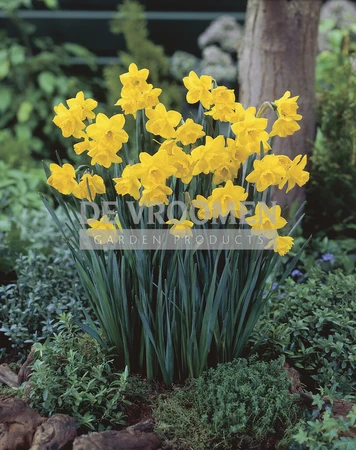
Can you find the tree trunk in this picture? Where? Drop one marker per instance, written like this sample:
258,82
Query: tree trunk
278,54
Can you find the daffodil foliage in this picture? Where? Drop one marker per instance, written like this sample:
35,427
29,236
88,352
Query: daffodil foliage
172,313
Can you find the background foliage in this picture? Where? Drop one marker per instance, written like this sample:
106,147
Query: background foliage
330,193
35,75
131,23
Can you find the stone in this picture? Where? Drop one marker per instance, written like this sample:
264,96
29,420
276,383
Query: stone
136,437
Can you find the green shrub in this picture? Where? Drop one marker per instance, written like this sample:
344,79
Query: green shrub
235,404
46,287
331,192
72,375
314,325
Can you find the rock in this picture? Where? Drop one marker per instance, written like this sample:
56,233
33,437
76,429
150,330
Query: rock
10,378
297,387
7,376
136,437
18,423
341,408
55,433
22,428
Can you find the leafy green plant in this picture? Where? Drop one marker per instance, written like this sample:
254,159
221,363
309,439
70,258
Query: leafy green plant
46,287
324,431
314,325
18,191
72,375
331,192
232,406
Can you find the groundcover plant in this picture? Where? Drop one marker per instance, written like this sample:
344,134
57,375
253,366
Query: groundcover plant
173,232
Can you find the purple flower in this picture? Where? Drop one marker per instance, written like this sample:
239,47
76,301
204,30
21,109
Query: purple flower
328,257
296,273
274,286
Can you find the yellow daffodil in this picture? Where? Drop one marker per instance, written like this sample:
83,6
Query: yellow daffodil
224,103
267,172
104,157
169,146
251,131
296,173
238,152
225,172
89,186
150,96
134,80
266,220
198,89
237,115
180,227
128,183
206,157
286,124
281,244
162,122
204,207
108,132
83,146
285,161
155,195
87,105
182,163
62,178
287,107
136,100
136,93
69,120
103,230
227,199
189,132
153,170
130,104
284,128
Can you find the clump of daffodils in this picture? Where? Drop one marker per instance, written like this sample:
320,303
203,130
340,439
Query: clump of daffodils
217,172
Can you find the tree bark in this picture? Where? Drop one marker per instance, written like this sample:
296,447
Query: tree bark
278,54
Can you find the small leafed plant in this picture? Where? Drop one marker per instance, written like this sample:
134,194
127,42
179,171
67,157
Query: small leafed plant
167,311
72,375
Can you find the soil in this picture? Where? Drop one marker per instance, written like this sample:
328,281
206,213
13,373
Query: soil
137,412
